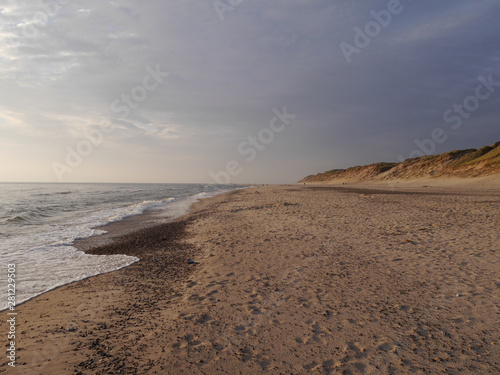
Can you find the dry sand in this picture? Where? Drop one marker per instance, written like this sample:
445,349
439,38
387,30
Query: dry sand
289,280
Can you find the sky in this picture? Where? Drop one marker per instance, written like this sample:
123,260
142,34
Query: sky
240,91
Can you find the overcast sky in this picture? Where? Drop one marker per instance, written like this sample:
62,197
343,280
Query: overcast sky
76,68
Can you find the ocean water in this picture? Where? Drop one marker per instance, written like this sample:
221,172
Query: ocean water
40,222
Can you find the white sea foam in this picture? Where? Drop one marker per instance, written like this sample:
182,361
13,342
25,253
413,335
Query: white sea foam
47,268
47,259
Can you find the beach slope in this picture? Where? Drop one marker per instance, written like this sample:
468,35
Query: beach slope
286,280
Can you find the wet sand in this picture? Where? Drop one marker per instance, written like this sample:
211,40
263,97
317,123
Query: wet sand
287,280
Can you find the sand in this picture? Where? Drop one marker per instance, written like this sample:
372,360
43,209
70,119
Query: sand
287,280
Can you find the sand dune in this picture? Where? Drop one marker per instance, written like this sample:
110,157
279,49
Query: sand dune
463,164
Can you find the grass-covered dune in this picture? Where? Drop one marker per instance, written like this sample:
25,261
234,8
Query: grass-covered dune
459,163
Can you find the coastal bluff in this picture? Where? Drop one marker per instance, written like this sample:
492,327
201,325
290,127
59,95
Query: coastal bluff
467,163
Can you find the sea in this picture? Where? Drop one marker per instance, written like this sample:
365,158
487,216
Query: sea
40,222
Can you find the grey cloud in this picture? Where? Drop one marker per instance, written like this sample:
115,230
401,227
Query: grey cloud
226,77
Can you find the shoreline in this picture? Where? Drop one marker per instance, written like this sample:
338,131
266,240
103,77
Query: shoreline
278,278
116,230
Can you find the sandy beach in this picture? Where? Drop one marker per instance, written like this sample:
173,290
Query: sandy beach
285,280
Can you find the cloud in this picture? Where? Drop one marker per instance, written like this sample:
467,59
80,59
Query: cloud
83,12
226,77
